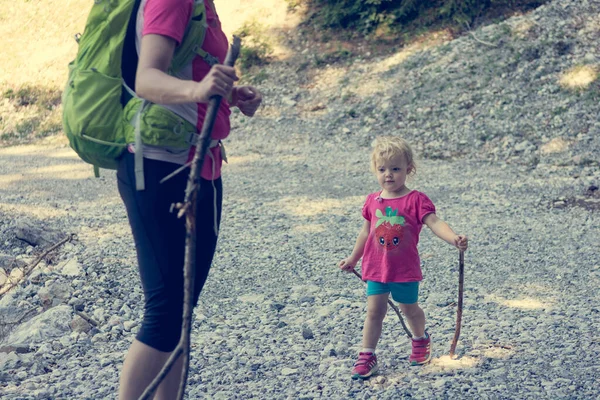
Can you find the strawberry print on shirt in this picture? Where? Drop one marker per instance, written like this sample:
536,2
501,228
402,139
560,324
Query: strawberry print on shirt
388,229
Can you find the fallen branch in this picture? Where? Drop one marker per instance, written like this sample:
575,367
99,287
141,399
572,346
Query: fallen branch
461,281
482,41
477,39
391,303
85,317
29,268
189,209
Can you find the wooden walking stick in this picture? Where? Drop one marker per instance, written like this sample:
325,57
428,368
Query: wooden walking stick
391,303
189,208
461,281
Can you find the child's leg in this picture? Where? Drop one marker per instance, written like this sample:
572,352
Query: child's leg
415,317
366,365
421,344
376,311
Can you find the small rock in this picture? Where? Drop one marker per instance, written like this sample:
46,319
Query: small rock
79,324
98,314
128,325
307,333
307,299
16,275
72,268
9,361
255,367
3,276
104,362
77,304
288,371
44,349
114,320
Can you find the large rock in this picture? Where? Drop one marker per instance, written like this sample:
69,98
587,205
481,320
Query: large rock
51,324
37,234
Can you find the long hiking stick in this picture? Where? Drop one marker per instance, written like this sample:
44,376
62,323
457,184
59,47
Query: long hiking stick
391,303
189,208
192,189
461,281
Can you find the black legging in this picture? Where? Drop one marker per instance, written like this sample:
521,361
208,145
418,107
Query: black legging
160,242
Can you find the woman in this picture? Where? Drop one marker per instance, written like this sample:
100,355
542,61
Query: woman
159,235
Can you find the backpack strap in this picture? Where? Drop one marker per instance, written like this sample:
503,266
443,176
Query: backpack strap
193,39
138,165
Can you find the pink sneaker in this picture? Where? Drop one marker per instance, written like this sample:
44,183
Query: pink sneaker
421,351
365,366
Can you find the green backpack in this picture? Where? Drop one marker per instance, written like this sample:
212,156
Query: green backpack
101,113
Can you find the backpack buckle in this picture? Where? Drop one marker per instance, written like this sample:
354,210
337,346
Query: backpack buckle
211,60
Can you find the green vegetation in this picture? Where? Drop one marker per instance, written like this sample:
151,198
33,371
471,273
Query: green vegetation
29,112
256,49
338,55
394,15
29,95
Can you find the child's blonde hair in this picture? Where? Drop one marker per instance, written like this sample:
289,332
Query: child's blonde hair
387,147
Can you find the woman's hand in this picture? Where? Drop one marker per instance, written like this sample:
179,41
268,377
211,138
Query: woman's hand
347,264
218,82
247,99
461,242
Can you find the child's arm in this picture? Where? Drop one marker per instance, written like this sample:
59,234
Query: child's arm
349,263
444,232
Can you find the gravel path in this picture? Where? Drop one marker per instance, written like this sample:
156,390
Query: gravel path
277,320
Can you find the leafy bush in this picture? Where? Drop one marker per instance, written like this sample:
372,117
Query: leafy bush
256,48
366,15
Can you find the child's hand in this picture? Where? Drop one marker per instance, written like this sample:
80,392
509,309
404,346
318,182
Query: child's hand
461,242
347,265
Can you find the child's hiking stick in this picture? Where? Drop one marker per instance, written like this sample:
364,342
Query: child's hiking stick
461,281
189,208
391,303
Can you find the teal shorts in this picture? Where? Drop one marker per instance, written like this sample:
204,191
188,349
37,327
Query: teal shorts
402,292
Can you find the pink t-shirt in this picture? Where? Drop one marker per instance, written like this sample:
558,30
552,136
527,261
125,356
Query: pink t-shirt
391,253
170,18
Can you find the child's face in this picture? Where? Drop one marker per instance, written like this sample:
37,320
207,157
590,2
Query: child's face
391,173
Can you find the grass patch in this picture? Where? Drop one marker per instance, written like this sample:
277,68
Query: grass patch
33,95
29,112
333,56
256,47
293,5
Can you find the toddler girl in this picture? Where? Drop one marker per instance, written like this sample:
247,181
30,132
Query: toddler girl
387,244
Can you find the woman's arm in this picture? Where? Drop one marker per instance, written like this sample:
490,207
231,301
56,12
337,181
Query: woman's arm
444,232
359,247
154,84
